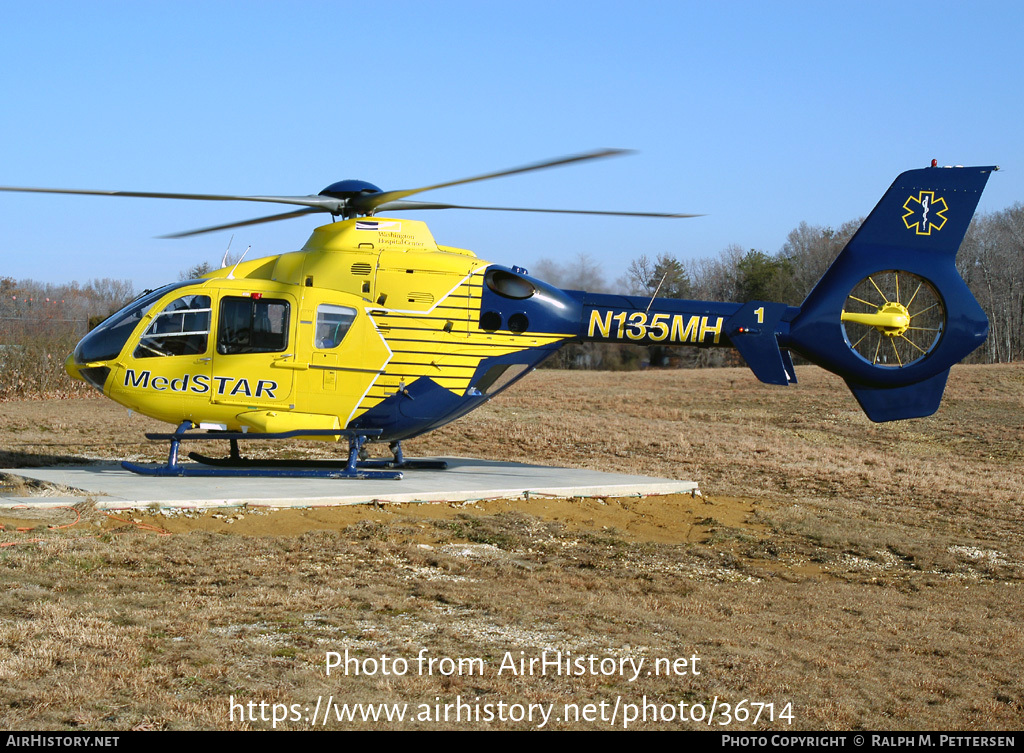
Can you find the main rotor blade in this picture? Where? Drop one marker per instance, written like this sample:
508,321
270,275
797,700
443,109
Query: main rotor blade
325,203
402,206
368,203
243,223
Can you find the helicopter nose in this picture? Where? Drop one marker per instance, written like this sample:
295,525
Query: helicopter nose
72,368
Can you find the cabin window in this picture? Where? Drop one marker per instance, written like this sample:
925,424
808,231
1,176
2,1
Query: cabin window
252,325
332,324
181,329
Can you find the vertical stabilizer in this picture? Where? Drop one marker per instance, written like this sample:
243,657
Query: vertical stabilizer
892,314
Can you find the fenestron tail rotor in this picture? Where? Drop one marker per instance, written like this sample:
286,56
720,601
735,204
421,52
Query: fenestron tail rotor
893,319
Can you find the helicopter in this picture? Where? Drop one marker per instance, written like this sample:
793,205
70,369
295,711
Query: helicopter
374,332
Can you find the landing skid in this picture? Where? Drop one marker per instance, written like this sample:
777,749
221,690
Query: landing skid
237,466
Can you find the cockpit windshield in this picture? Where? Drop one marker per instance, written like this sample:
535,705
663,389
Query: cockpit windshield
106,341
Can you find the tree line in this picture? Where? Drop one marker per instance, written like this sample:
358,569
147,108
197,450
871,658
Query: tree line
40,323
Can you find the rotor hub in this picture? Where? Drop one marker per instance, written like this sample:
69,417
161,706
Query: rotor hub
349,189
893,319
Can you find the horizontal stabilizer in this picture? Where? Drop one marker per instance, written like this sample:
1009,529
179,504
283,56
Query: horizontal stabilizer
895,403
752,332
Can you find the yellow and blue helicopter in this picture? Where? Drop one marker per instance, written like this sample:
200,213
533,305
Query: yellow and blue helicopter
373,332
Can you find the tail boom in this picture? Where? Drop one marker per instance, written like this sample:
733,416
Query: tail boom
890,316
657,321
753,328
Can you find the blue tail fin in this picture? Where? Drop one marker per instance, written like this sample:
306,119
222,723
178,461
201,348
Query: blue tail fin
892,314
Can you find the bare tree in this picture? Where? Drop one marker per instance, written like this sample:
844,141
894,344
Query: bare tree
582,273
196,271
991,260
810,250
665,277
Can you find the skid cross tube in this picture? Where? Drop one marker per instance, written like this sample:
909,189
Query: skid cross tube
400,461
237,466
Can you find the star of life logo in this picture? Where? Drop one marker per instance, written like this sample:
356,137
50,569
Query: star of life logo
925,213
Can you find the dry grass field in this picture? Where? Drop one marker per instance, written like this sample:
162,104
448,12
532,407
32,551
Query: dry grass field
853,575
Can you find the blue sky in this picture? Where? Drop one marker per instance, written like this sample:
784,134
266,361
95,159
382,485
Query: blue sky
761,115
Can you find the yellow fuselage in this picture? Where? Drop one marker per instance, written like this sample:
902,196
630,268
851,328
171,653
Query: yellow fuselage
410,310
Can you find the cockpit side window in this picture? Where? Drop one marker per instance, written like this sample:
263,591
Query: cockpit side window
332,324
252,325
181,329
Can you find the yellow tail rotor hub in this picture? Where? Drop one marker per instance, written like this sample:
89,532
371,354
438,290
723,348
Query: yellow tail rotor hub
891,319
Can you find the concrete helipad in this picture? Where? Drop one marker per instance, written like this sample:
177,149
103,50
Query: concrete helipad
466,479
